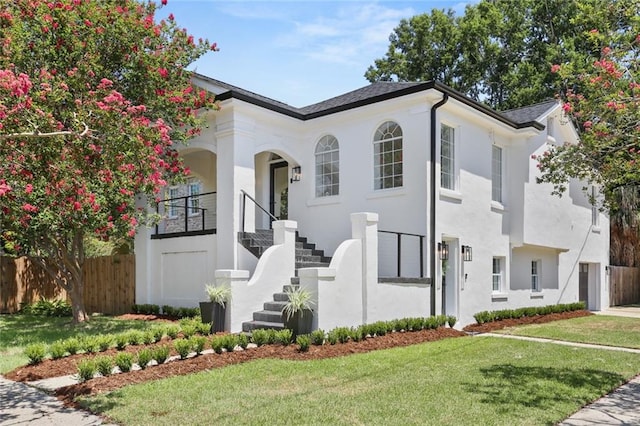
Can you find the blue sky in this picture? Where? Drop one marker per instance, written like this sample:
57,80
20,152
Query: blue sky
298,52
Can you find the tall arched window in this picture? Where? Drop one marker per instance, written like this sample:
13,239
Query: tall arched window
327,167
387,156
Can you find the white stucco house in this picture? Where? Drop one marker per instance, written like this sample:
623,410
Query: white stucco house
423,200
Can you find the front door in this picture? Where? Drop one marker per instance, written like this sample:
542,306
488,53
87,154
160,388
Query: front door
583,284
278,190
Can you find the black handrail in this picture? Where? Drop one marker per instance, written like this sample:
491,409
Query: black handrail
399,245
244,204
188,210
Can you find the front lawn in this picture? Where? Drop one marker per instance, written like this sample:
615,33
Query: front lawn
596,329
455,381
18,331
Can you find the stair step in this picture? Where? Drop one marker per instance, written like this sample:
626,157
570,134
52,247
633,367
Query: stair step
274,306
268,316
312,265
295,280
280,297
289,287
254,325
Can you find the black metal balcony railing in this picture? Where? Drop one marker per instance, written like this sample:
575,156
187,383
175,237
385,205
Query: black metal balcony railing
188,215
412,259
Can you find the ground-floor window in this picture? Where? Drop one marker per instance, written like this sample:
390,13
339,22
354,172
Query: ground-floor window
498,274
535,275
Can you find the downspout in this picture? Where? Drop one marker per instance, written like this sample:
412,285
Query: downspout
432,203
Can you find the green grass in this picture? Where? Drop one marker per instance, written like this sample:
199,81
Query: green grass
596,329
18,331
462,381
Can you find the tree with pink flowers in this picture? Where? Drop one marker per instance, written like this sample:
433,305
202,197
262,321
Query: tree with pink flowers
94,98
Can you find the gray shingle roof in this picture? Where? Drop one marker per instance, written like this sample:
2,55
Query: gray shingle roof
377,92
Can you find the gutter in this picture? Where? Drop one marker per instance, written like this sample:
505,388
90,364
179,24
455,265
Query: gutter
432,202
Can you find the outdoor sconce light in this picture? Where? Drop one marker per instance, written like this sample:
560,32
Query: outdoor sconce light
296,174
443,251
467,253
607,270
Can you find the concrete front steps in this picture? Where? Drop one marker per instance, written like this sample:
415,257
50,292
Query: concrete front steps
271,315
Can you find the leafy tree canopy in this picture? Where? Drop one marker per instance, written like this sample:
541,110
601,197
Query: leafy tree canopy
93,97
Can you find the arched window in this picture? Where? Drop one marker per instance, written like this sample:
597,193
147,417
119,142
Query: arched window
387,156
327,167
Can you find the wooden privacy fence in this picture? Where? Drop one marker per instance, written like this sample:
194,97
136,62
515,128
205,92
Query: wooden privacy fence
624,285
109,284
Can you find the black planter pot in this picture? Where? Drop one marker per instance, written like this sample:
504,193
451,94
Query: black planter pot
211,312
300,322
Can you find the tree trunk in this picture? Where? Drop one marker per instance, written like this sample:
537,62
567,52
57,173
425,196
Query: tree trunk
76,294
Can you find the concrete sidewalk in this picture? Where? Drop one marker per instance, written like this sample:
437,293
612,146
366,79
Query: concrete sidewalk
21,404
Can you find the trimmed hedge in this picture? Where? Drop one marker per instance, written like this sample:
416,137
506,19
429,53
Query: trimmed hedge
491,316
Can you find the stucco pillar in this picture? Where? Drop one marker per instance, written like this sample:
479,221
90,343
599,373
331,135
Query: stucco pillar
142,249
233,279
364,226
284,232
235,172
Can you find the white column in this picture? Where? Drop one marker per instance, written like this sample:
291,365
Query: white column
142,245
364,226
235,310
235,172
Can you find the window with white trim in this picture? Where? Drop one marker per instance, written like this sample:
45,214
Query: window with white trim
387,156
327,166
498,274
447,157
194,199
496,173
172,205
595,214
535,275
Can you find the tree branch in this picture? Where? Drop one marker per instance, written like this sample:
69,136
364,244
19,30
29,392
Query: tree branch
37,134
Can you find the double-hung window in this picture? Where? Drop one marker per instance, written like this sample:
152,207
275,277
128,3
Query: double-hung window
387,156
194,198
447,157
535,275
496,173
498,275
327,167
173,203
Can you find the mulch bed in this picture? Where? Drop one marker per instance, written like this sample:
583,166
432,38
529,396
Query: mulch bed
68,365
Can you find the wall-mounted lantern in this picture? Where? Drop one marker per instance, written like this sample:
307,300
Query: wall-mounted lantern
467,253
296,174
443,251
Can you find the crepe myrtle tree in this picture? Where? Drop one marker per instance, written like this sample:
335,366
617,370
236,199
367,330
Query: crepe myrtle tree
94,97
604,103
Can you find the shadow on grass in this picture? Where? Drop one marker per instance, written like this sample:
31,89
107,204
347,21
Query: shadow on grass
508,385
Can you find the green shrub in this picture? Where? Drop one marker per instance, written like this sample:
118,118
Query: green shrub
442,320
379,328
332,337
284,337
189,330
172,331
124,361
86,369
198,343
451,320
57,350
158,333
135,337
303,341
217,343
72,345
229,342
122,340
260,337
146,309
35,352
104,365
272,336
342,333
144,357
48,308
317,337
183,347
355,334
148,337
160,353
243,340
431,323
90,344
105,341
169,310
203,328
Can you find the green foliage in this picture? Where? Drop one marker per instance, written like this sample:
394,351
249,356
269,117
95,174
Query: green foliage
90,344
229,342
86,369
124,361
218,294
332,337
217,343
531,311
104,365
135,337
355,334
198,343
122,340
183,347
72,345
303,341
48,308
451,321
160,353
146,309
243,340
57,349
172,331
260,337
105,341
317,337
144,357
203,328
36,352
299,299
158,333
148,337
284,337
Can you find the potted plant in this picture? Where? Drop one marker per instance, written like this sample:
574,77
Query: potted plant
297,314
214,310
